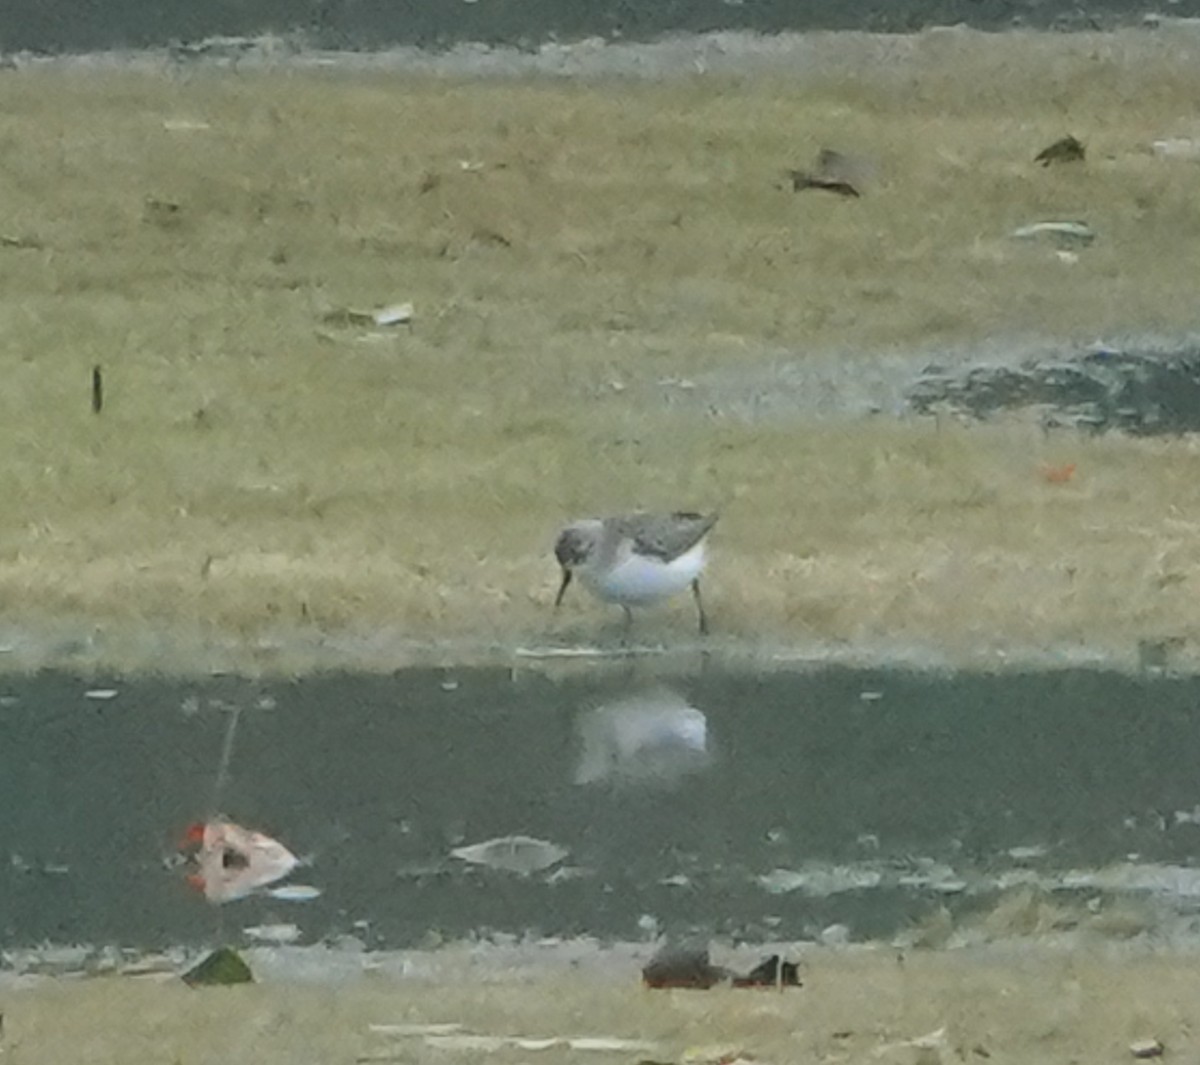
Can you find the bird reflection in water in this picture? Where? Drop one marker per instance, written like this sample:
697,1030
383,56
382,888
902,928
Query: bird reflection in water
653,738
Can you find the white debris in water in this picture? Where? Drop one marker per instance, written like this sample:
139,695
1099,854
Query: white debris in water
1013,878
1187,817
929,874
513,854
1177,881
1027,854
821,881
648,925
49,959
100,694
273,933
564,874
294,892
835,935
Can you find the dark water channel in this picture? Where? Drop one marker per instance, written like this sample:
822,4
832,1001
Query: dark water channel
84,25
865,798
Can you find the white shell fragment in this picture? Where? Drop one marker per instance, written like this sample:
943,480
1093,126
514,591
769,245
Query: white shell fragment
452,1036
393,314
184,125
101,694
603,1042
409,1030
1177,148
477,1043
396,314
1146,1048
1077,234
512,854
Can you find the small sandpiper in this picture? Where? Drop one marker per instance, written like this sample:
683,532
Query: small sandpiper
636,559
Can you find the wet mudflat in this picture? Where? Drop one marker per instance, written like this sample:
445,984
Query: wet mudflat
754,805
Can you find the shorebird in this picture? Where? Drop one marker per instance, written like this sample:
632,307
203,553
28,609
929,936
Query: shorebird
636,559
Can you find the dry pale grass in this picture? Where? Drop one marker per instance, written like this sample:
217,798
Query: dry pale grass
255,467
1021,1006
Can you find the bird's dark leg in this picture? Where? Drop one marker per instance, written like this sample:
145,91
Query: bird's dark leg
562,588
628,627
700,607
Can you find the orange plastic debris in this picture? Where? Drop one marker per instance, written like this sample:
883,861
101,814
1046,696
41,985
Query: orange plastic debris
1057,474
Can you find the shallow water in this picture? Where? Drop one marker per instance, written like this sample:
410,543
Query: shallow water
865,798
54,25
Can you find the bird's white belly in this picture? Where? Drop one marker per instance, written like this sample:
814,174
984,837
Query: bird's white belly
643,579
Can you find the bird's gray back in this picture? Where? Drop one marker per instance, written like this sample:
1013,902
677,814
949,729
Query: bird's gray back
665,536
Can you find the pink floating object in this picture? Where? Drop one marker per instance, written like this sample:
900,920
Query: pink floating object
233,862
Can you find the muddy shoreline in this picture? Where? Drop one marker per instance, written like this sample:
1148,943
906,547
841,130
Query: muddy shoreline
91,649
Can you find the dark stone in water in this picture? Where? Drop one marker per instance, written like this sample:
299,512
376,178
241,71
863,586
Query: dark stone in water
223,967
1144,393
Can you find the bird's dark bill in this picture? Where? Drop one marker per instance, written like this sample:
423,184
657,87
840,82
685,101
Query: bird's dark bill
562,588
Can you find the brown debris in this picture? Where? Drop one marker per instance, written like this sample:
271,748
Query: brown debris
833,172
491,237
771,972
690,967
802,180
166,214
687,967
1066,149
